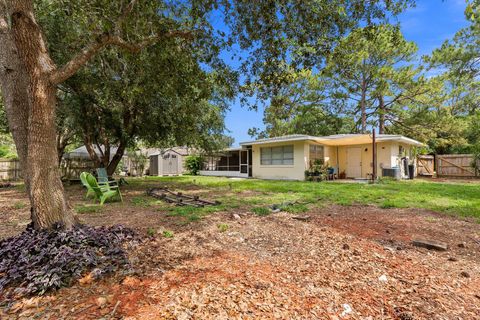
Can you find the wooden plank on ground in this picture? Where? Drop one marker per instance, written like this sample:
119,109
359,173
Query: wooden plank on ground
430,244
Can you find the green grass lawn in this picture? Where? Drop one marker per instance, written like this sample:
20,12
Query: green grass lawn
462,199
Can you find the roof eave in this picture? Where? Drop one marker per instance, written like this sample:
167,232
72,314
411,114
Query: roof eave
273,140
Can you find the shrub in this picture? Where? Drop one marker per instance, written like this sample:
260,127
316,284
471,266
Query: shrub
475,164
139,161
38,261
193,164
7,153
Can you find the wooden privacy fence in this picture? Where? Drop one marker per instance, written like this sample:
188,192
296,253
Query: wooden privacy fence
455,165
70,169
425,165
10,169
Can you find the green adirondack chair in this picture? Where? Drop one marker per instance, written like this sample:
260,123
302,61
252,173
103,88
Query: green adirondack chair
103,178
103,192
83,179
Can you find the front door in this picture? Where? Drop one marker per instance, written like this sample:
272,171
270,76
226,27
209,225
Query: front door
244,161
354,162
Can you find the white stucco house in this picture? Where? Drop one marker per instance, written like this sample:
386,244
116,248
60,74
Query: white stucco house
287,157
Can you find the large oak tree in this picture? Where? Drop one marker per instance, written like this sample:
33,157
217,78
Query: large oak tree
29,79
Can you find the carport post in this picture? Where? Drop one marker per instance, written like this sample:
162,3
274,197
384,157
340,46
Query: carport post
374,155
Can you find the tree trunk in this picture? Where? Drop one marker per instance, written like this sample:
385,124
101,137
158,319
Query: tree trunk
116,159
381,115
363,107
91,150
103,161
14,86
62,140
25,51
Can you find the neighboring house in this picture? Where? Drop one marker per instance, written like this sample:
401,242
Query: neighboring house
288,157
78,160
168,161
81,153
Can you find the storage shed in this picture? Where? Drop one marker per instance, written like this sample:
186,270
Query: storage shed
168,162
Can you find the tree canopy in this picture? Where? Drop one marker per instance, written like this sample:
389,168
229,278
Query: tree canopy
373,79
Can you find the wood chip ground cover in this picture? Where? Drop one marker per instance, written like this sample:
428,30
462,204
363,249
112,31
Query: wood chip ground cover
346,262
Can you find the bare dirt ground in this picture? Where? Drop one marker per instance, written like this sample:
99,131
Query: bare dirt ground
345,262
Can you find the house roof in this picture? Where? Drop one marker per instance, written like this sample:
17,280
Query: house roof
82,153
292,137
338,139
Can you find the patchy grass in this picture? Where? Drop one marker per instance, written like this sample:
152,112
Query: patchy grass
222,227
192,213
19,205
295,208
142,201
83,209
167,234
20,187
454,198
261,211
151,232
387,204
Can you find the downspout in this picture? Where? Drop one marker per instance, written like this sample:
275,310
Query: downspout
338,163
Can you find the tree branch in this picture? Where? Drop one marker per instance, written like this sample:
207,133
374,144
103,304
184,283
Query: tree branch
78,61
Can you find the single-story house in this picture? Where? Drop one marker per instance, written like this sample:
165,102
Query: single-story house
288,157
78,160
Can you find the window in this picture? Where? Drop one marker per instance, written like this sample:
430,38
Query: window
316,153
276,155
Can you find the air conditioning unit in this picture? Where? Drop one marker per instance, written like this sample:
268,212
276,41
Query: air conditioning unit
391,172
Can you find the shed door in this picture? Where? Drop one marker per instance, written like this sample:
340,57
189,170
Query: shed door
170,164
173,164
354,162
154,166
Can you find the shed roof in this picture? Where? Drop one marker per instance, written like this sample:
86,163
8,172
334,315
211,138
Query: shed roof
183,151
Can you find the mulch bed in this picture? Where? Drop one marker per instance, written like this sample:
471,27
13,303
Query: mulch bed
276,267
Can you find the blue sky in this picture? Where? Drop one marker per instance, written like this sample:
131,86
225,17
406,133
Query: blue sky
429,24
